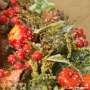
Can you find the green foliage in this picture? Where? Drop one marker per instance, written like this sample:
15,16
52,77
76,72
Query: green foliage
56,25
25,3
40,5
56,38
31,19
81,59
58,58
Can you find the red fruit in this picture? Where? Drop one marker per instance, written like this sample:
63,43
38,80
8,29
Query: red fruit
69,78
10,12
23,32
21,55
16,44
27,48
37,56
15,20
26,32
1,73
3,19
85,42
78,32
30,34
18,36
19,66
13,1
79,43
11,59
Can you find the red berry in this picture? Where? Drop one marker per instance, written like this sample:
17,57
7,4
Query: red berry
16,44
37,56
69,78
85,42
19,66
27,48
21,54
79,43
11,59
1,73
78,32
3,19
15,20
23,32
30,34
13,1
10,12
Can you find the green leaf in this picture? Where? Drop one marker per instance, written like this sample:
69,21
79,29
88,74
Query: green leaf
86,66
40,5
81,59
59,24
58,58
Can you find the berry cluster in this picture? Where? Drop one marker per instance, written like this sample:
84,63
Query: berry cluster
19,36
9,15
80,37
19,61
70,78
